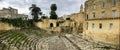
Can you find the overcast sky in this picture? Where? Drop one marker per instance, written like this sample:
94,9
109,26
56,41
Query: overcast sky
64,6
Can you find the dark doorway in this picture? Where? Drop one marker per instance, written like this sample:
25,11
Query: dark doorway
87,17
100,25
67,18
57,25
51,24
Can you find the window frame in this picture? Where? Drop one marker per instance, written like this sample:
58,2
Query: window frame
110,26
87,16
93,25
114,13
103,4
114,3
93,16
103,15
94,7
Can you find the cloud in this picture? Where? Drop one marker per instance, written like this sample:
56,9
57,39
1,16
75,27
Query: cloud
64,6
1,0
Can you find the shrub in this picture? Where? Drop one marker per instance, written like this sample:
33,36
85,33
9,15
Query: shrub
18,22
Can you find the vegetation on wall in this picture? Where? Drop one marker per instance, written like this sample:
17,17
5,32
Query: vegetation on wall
17,22
24,38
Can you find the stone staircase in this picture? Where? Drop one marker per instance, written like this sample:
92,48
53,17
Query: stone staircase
19,41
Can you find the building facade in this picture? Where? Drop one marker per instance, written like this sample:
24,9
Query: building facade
11,13
102,21
77,20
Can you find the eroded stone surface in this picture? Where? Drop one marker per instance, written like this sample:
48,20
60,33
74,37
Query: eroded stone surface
71,42
65,42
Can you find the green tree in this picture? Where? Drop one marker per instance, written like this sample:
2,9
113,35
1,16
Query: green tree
53,14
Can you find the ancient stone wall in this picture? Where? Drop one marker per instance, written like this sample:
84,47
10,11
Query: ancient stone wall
106,34
102,21
6,26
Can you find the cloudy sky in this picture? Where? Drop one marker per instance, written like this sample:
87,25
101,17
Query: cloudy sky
64,6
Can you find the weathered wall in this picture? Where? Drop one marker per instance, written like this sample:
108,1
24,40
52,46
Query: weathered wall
107,35
68,23
5,26
96,13
46,23
78,19
95,6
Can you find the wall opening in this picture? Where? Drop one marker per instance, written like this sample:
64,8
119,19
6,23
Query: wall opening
57,24
87,17
51,24
93,25
111,25
100,26
87,26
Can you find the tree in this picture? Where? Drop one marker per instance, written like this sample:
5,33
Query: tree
53,14
35,12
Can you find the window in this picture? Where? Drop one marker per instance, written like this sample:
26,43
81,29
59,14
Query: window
103,15
100,26
103,4
114,13
114,3
93,15
94,7
86,16
111,25
87,26
93,25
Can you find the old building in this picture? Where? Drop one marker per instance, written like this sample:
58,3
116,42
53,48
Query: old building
68,23
102,21
78,19
59,25
11,13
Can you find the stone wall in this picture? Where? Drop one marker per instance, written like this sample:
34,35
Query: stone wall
45,23
102,12
105,34
5,26
95,7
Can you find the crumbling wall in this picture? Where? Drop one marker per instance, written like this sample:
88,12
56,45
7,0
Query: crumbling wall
106,35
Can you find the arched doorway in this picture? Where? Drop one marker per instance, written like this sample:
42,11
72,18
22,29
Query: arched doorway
51,24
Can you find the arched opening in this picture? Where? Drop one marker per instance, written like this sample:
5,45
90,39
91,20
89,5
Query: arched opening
51,24
57,25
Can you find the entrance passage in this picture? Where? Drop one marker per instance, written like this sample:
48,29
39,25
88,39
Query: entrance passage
51,24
